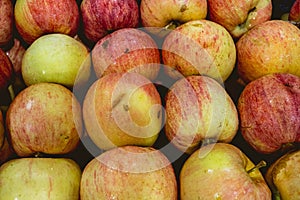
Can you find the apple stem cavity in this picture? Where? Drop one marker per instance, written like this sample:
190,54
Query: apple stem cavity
172,25
258,166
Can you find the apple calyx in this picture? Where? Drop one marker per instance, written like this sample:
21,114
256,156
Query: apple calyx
261,164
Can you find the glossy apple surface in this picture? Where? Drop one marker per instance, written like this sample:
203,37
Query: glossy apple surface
129,172
199,47
44,118
36,18
101,17
198,109
122,109
40,178
239,16
294,14
283,176
270,47
56,58
221,171
125,50
6,70
269,112
6,21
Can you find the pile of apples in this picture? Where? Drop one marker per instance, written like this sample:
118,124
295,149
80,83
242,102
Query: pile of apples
149,99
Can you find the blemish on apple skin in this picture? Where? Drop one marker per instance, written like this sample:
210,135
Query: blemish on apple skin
183,8
126,107
117,100
105,44
126,50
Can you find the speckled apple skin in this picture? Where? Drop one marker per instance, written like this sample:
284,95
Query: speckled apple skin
294,14
40,178
269,112
199,47
6,21
100,17
44,118
6,70
199,109
131,173
127,49
36,18
239,16
270,47
225,167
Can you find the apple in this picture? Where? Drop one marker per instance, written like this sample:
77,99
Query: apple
101,17
294,14
44,118
269,112
6,22
199,111
199,47
222,171
6,71
56,58
159,16
40,178
122,109
36,18
125,50
2,129
283,176
239,16
270,47
129,172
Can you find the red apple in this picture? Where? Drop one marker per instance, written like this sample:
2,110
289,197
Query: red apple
101,17
44,118
129,172
40,178
34,18
125,50
270,47
199,110
5,149
199,47
122,109
221,171
239,16
294,14
6,70
283,176
269,112
6,22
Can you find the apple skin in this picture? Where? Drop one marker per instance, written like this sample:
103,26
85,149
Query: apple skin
239,16
198,109
44,118
269,112
199,47
125,50
36,18
2,129
6,70
40,178
56,58
221,173
122,109
294,14
283,176
157,13
5,149
129,172
270,47
100,17
6,22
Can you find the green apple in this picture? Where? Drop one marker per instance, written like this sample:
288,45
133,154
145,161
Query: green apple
56,58
40,178
221,171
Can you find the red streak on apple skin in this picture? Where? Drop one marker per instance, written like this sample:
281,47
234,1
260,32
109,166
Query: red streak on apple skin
295,11
6,70
6,21
269,112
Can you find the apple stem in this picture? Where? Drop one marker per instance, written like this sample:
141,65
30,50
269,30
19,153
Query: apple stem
259,165
172,25
11,92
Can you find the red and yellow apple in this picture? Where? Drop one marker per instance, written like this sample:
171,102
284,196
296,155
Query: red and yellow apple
270,47
40,178
122,109
34,18
239,16
294,14
126,50
129,172
6,22
269,112
6,70
44,118
221,171
5,149
199,110
199,47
